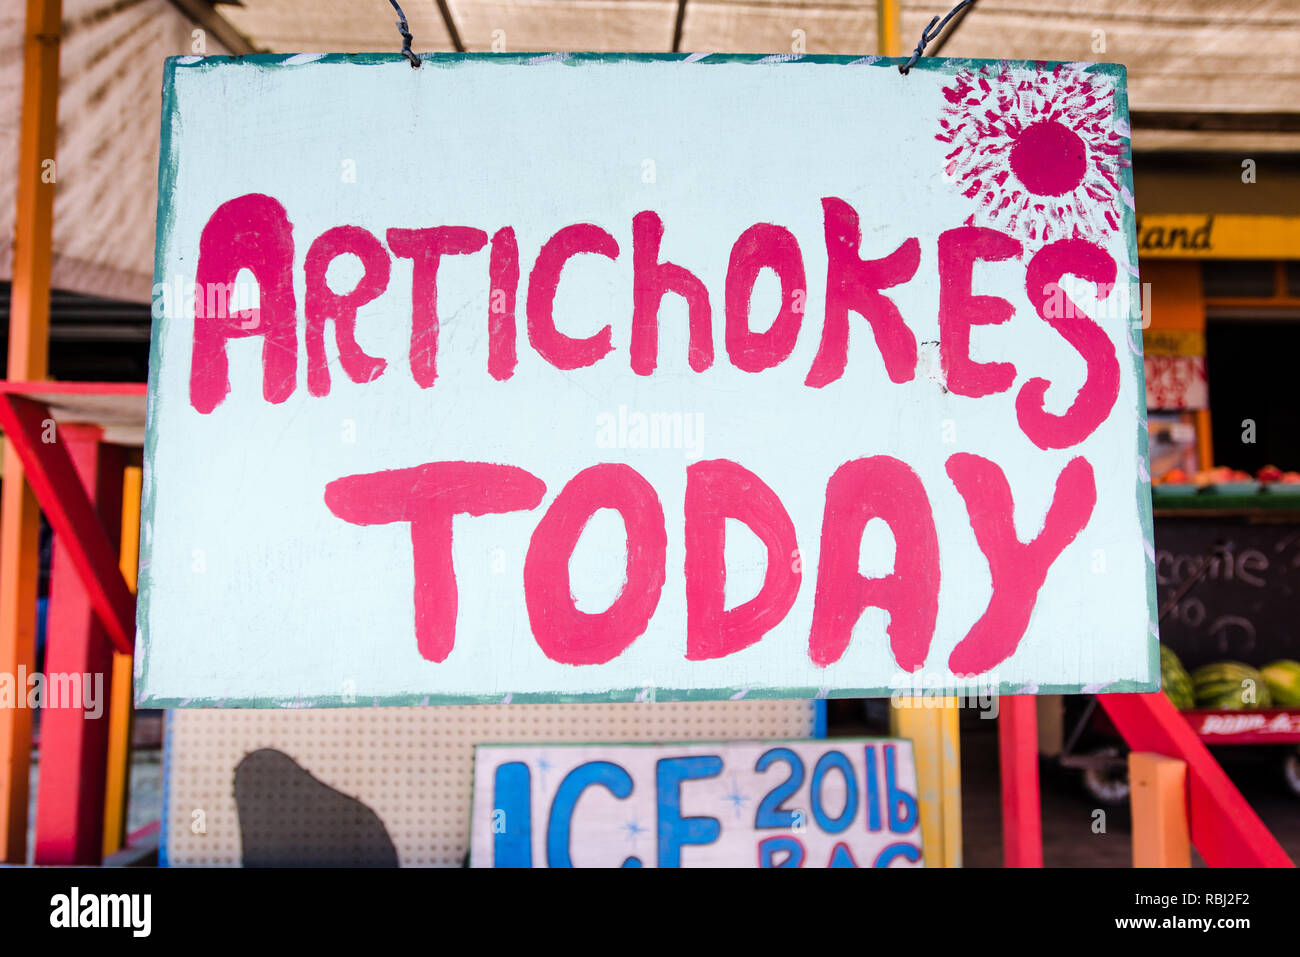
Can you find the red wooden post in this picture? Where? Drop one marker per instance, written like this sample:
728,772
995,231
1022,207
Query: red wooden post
74,739
1022,828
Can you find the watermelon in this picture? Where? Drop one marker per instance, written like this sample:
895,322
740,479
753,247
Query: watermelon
1175,680
1283,680
1222,685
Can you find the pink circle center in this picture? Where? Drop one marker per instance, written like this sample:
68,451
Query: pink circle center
1049,158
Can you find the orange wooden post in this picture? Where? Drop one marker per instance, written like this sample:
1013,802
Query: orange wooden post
1204,440
1178,306
118,787
1158,796
29,324
888,34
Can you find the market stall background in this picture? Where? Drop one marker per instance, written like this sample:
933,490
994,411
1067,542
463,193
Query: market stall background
1213,87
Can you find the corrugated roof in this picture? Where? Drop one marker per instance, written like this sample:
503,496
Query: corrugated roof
110,73
1217,55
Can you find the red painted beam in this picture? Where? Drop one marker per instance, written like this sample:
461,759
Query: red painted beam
79,662
1225,828
152,829
1022,828
63,499
40,387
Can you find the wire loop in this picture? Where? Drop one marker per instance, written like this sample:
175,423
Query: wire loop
931,33
405,31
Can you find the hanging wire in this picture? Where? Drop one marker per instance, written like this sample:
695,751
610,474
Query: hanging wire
931,33
405,31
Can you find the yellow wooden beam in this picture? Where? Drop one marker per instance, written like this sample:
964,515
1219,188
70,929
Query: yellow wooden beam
1158,796
888,28
950,783
936,748
117,795
1215,236
29,331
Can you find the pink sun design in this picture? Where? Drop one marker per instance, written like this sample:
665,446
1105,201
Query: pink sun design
1038,150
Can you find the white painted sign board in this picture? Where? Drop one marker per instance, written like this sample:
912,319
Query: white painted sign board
620,377
842,802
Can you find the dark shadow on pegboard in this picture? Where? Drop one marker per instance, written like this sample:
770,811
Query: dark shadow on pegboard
287,818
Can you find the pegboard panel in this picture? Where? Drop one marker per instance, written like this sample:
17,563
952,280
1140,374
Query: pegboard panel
335,786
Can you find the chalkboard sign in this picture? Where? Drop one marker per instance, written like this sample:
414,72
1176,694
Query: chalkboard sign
1244,607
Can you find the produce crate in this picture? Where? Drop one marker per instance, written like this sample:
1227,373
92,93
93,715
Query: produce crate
1211,501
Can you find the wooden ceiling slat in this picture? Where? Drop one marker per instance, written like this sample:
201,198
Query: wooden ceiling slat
347,26
347,44
1188,54
1187,12
1240,144
771,28
982,37
601,25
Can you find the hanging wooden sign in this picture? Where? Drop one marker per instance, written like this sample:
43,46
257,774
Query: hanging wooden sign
621,377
